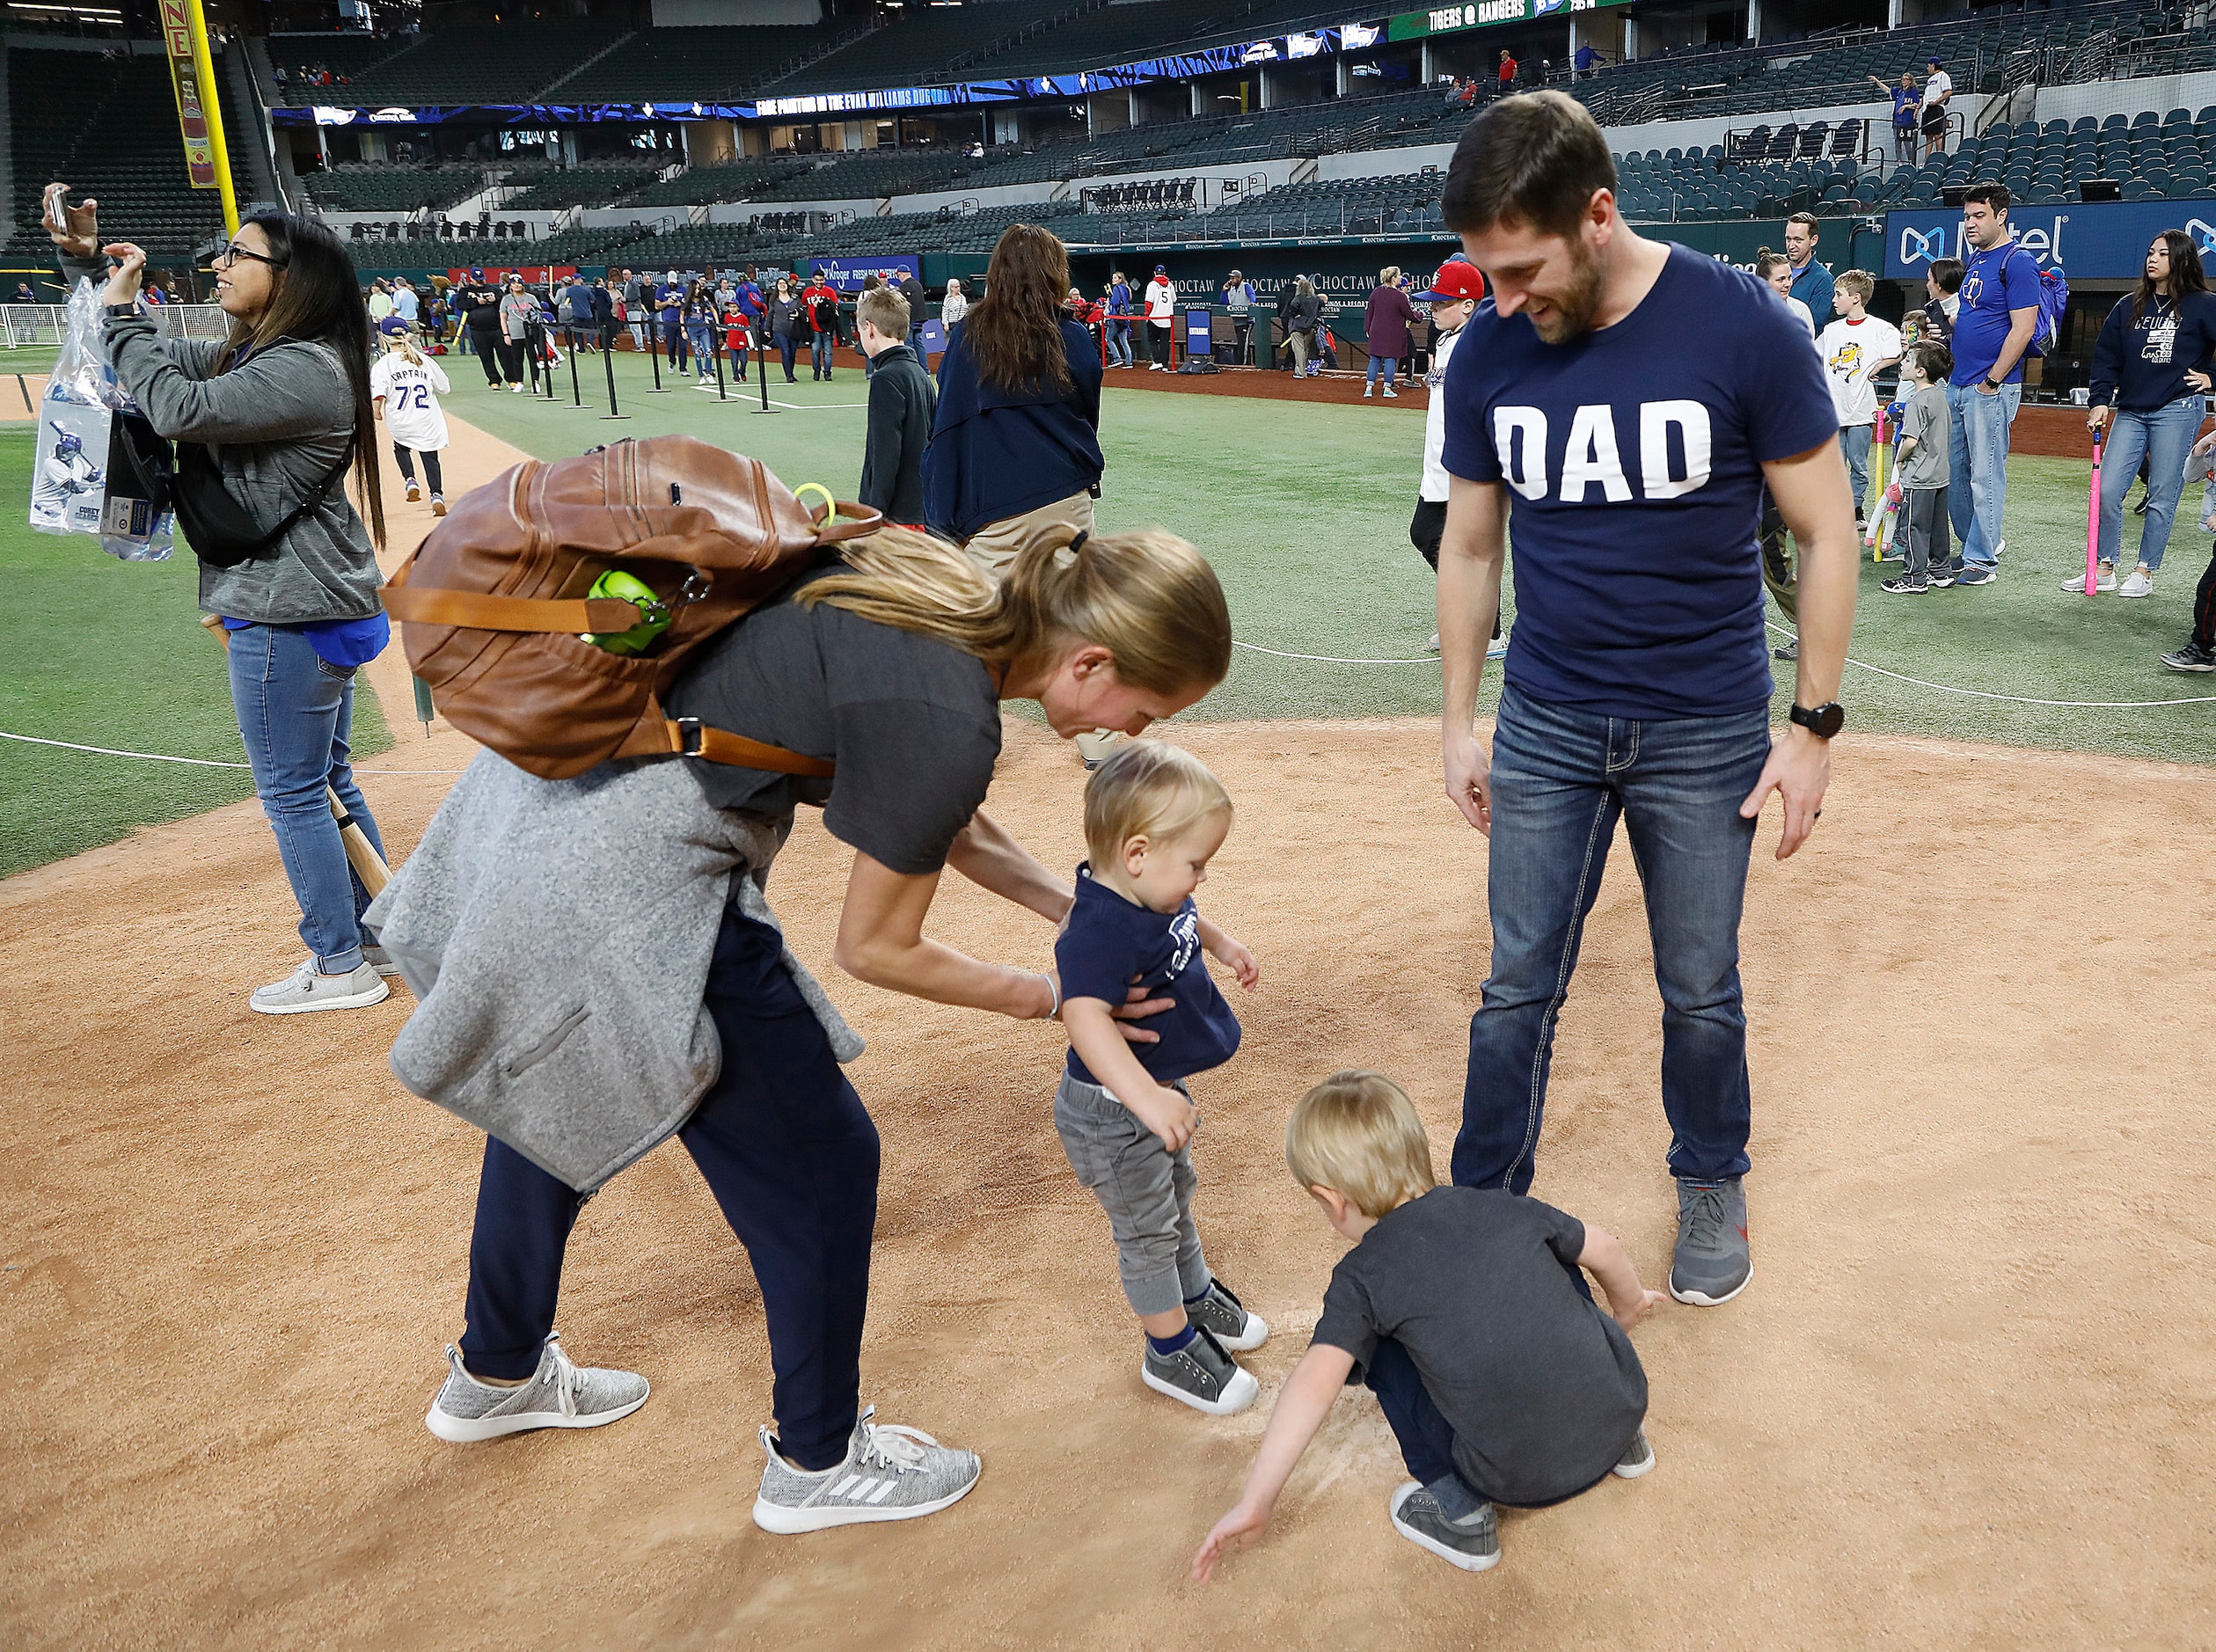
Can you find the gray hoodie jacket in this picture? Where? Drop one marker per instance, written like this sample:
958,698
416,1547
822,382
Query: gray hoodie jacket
276,425
557,934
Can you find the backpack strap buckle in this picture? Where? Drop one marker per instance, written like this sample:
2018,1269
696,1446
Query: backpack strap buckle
688,730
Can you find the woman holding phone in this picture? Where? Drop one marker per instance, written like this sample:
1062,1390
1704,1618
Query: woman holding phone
283,405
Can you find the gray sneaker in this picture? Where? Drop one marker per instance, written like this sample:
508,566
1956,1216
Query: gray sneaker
305,988
890,1473
379,960
1638,1458
560,1395
1474,1545
1201,1375
1225,1318
1713,1262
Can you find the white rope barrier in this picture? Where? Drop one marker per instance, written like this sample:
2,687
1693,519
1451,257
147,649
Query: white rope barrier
198,763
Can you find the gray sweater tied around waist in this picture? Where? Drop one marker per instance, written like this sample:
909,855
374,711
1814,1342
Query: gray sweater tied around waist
557,935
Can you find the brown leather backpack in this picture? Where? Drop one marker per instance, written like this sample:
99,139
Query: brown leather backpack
492,605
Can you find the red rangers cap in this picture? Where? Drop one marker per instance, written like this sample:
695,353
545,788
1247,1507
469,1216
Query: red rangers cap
1456,281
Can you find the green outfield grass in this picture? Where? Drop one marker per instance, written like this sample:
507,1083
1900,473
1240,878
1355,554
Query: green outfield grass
1304,509
106,653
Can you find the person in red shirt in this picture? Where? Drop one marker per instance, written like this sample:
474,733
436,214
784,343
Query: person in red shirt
819,299
738,338
1508,70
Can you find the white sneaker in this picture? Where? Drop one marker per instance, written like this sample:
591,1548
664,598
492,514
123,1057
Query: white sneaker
1392,393
438,504
2104,580
305,988
559,1395
414,493
2138,584
515,389
1432,647
889,1473
1366,391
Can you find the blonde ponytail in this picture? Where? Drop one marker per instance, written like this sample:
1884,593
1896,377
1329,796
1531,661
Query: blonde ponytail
1146,596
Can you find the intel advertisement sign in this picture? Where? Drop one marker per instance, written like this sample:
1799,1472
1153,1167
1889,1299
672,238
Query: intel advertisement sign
2105,241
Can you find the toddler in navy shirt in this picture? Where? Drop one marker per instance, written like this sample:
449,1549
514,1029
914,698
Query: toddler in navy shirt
1153,818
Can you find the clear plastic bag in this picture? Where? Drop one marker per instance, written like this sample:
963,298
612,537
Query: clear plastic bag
71,491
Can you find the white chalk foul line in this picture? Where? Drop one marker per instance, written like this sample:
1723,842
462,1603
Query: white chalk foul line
1328,659
198,763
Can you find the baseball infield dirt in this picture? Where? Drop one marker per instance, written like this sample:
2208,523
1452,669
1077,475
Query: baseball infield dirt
1963,1403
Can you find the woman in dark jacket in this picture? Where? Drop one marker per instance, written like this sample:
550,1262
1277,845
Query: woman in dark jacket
1015,444
788,325
1387,324
1301,316
283,405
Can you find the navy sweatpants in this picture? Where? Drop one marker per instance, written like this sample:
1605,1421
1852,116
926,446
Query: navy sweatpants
790,1157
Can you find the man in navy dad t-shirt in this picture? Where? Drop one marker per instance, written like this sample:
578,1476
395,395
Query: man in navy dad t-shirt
1617,407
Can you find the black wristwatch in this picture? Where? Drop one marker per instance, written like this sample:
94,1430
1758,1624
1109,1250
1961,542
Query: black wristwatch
121,312
1991,383
1824,721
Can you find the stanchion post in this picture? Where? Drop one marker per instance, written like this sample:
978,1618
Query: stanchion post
576,400
653,350
716,350
761,367
608,354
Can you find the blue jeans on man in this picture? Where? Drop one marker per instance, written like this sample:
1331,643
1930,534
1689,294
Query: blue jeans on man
1978,457
295,713
1854,441
1562,778
2162,437
819,354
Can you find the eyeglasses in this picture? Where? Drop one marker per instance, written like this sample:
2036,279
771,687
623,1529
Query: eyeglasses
232,253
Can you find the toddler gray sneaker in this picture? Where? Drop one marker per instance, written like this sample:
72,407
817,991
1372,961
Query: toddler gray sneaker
307,988
1638,1458
890,1473
1713,1262
1225,1318
560,1395
1202,1376
1474,1545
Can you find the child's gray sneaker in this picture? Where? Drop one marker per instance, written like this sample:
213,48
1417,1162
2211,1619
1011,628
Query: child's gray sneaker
307,988
1201,1375
1223,1316
560,1395
1474,1545
890,1473
1638,1458
1713,1262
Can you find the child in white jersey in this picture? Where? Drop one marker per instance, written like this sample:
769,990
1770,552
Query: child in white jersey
404,388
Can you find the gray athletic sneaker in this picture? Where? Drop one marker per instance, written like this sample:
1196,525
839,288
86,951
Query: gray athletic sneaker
306,989
890,1473
560,1395
1226,1319
1201,1375
1713,1262
1474,1545
1638,1458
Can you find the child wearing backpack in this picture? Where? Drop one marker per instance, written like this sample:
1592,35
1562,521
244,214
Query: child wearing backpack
405,389
1154,817
1465,1311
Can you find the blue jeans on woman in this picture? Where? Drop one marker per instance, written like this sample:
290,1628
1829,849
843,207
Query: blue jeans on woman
2162,438
1119,343
697,340
295,712
1390,364
788,348
1561,779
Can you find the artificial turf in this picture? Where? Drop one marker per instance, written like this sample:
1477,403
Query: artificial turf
111,653
1304,509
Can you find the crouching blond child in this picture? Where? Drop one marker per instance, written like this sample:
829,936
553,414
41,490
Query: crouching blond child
1153,818
1465,1311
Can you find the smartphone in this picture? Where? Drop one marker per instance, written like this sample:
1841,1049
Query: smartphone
57,200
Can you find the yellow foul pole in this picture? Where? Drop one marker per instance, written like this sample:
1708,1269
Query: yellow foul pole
212,109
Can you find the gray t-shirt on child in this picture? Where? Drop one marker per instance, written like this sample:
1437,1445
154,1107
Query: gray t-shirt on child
911,724
1482,1289
1925,419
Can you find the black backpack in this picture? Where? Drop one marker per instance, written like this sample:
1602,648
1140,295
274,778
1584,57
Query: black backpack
186,479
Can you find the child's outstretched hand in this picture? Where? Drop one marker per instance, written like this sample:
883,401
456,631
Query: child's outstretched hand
1235,1531
1230,952
1632,1310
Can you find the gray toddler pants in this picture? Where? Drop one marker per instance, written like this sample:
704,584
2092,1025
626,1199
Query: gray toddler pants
1147,1190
